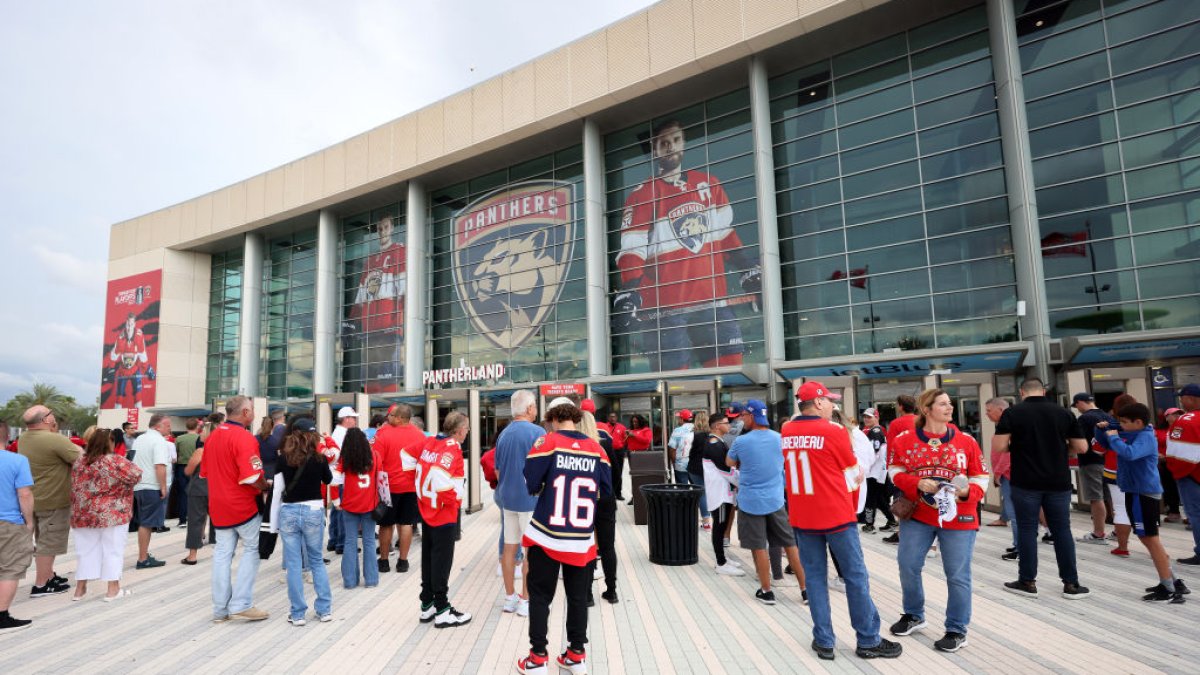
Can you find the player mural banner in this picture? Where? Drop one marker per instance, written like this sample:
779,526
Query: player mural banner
512,253
131,341
373,328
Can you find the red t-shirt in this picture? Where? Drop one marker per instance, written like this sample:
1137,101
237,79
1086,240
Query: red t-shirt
440,476
410,441
619,434
387,445
918,456
360,493
896,427
821,474
1183,446
231,464
640,439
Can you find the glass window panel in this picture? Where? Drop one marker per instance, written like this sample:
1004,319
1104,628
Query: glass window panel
871,156
952,53
1182,41
953,80
1081,195
874,315
807,222
876,129
1160,113
1164,179
976,303
956,107
1166,79
1163,146
1062,47
964,189
1150,19
977,332
875,287
1091,289
966,132
1071,135
808,271
1174,313
804,125
1066,75
952,26
815,323
798,199
976,273
730,147
1084,163
1059,17
805,148
967,216
892,98
894,231
1166,212
977,244
832,294
1168,246
883,206
806,173
814,246
963,160
879,180
906,338
837,344
1098,224
808,95
869,55
1105,254
889,259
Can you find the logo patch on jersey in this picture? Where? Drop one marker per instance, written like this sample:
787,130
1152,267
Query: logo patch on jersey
690,226
1177,433
512,252
256,463
446,461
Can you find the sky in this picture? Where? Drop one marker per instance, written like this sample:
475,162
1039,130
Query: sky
115,109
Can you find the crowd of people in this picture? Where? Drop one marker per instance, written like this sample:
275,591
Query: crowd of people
804,493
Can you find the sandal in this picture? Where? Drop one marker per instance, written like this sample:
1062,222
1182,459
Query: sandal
78,597
185,561
123,593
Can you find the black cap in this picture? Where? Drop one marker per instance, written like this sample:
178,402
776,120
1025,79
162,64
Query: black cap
305,424
1083,396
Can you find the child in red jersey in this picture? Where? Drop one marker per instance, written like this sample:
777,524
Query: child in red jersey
440,488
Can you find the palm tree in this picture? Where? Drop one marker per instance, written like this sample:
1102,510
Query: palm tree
41,394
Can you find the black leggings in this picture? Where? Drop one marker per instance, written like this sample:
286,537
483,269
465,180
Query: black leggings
720,518
606,540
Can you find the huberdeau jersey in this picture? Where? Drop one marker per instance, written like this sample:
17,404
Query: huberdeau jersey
568,471
942,458
440,481
822,475
1183,447
379,302
672,232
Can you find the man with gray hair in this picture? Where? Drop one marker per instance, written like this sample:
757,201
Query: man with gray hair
512,495
50,457
152,453
234,471
1001,475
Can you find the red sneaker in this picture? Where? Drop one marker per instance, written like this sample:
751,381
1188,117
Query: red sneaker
573,662
534,664
1123,552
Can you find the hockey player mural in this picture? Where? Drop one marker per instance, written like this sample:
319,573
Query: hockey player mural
373,329
131,341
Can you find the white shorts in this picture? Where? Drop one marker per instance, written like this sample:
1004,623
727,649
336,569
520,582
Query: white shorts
1120,516
515,523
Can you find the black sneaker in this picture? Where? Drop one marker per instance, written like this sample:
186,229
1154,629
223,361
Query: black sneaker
804,596
1047,538
1194,560
824,653
1159,593
889,527
907,625
591,600
58,580
1011,555
787,569
1180,588
951,642
611,596
1075,591
330,548
893,539
868,529
1011,549
401,566
886,649
149,562
9,624
385,566
765,597
49,588
1025,589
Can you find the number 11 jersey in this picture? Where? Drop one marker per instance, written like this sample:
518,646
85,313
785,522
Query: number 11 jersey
821,472
568,471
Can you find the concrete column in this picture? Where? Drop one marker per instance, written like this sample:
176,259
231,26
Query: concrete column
416,302
1018,174
250,335
325,320
768,226
596,242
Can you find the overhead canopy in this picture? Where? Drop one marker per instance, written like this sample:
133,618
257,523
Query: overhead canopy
1007,356
1116,348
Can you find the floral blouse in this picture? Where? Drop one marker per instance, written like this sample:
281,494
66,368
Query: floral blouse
102,492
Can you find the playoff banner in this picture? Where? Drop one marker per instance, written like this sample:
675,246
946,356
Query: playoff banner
131,341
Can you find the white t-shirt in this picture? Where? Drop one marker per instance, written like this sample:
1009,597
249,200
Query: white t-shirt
150,449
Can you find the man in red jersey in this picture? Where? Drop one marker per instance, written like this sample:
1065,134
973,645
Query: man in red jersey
1183,460
378,312
906,407
440,488
234,471
399,443
823,478
129,356
619,434
676,234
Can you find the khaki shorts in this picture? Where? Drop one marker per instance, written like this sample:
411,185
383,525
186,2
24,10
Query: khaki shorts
760,532
16,551
52,529
1091,482
515,523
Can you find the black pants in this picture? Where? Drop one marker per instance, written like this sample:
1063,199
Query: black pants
879,496
437,559
618,470
1170,489
543,581
606,541
720,519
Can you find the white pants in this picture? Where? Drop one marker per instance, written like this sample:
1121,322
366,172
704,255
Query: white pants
1120,517
100,552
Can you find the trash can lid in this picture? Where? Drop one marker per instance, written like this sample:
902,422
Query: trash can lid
671,488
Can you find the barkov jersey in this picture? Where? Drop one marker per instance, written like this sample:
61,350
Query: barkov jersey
821,473
672,235
441,480
1183,447
129,352
379,302
941,458
568,471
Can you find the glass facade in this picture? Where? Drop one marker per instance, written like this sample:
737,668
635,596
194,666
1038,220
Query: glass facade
289,286
1112,93
507,271
893,219
373,287
224,324
684,263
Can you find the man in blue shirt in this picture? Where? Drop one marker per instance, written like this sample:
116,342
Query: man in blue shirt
512,495
16,532
763,520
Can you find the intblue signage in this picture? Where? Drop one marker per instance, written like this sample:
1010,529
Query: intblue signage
1139,351
998,362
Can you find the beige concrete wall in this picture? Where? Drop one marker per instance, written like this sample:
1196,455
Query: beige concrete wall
661,45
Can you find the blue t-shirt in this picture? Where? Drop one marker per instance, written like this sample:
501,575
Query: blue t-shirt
14,474
512,447
759,455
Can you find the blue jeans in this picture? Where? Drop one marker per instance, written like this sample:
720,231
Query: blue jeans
956,548
229,599
303,529
1006,507
335,527
1189,494
351,522
683,478
1057,507
845,546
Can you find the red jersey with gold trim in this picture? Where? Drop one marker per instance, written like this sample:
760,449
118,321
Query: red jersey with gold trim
379,302
1183,447
672,235
440,480
821,473
942,458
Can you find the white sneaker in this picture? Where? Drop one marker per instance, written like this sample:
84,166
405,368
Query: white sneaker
510,603
932,553
788,581
730,570
325,618
523,607
296,622
838,584
450,617
733,561
1091,538
427,613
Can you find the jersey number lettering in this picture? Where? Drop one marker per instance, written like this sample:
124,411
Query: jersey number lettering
425,488
364,480
805,468
579,510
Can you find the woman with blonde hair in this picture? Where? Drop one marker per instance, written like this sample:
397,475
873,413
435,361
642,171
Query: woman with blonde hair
101,508
606,519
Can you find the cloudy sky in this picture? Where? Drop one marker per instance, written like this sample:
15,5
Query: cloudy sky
114,109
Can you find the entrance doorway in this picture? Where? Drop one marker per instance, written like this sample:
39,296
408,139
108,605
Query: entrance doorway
441,402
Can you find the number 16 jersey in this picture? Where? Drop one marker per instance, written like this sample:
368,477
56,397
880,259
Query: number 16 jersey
568,471
821,472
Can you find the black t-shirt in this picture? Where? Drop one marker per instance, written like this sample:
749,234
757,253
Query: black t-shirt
316,472
712,448
1087,424
1039,430
695,462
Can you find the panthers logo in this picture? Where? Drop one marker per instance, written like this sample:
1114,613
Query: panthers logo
512,253
691,230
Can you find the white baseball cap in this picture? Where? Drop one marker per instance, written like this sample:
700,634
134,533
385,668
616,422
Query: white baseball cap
346,411
561,400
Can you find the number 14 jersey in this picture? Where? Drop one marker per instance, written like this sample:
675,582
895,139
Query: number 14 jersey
568,471
822,474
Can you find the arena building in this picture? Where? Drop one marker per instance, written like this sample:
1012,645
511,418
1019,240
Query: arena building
712,199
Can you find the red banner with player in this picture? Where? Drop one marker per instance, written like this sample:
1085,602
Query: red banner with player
131,341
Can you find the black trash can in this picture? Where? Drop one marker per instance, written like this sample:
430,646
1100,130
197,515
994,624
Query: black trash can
672,514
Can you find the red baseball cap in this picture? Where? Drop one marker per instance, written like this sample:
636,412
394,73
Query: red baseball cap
588,405
814,390
685,415
1171,411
